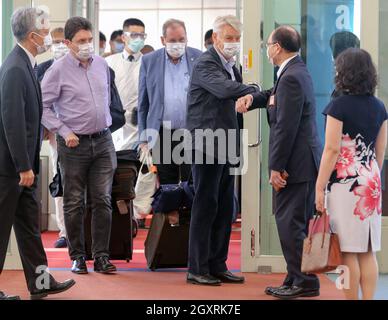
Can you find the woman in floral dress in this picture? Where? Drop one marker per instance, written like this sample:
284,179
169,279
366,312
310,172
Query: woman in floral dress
350,174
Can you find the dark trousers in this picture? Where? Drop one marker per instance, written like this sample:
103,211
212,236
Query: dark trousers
19,208
294,209
211,218
169,172
88,167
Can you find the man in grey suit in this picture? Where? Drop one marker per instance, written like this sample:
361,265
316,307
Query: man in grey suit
215,86
164,82
20,132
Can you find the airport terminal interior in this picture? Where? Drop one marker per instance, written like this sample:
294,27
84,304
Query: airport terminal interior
254,249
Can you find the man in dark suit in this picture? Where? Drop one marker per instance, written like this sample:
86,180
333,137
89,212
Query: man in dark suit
215,86
295,150
20,116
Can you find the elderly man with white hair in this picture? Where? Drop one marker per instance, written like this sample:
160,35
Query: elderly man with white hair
215,86
20,134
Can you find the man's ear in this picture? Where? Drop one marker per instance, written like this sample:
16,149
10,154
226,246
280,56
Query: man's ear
163,41
67,42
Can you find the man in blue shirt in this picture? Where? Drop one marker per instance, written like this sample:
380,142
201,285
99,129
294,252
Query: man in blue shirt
164,82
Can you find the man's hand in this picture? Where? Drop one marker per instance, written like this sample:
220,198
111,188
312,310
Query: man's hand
244,103
277,181
27,178
72,141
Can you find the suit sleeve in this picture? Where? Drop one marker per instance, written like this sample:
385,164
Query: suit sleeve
211,78
13,105
143,104
260,99
290,101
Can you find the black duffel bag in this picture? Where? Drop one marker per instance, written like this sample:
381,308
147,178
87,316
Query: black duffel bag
173,197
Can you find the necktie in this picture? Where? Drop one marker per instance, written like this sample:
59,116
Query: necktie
131,58
36,71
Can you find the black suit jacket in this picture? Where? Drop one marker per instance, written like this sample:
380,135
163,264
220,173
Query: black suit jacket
294,143
211,99
20,115
43,67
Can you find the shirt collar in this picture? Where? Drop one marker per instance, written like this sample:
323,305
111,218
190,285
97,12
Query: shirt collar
168,58
227,64
73,60
284,64
137,55
30,56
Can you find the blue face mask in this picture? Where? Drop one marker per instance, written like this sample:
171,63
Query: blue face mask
136,45
119,47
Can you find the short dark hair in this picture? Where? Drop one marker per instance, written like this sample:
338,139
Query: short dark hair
57,30
340,41
133,22
208,34
76,24
115,34
287,38
356,73
102,37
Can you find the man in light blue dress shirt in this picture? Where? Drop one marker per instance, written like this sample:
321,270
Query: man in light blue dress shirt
164,81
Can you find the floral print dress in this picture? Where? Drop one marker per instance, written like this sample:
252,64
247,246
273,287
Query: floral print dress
354,200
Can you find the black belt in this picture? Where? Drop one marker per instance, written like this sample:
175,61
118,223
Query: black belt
94,135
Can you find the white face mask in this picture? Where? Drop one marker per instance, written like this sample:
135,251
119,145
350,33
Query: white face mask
47,43
231,49
85,51
176,49
59,50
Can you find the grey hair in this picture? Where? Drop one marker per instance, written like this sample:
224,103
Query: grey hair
230,20
25,20
171,22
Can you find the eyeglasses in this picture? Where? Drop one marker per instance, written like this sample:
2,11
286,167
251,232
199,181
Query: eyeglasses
136,35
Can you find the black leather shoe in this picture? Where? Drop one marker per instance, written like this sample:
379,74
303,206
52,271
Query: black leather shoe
270,290
296,292
55,288
4,297
103,265
228,277
79,266
205,280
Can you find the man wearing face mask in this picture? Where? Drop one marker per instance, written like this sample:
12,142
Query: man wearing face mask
215,86
20,115
164,82
126,66
116,43
58,49
295,151
76,98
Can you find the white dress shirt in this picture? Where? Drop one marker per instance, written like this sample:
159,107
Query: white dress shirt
30,56
127,82
284,64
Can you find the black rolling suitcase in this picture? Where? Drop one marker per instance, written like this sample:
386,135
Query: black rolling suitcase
167,245
121,243
122,231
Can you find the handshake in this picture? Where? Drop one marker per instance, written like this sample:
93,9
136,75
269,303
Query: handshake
244,103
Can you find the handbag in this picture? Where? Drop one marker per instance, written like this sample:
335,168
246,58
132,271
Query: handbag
55,187
145,187
321,249
173,197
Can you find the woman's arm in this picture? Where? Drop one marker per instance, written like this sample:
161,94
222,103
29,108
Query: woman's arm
329,159
381,144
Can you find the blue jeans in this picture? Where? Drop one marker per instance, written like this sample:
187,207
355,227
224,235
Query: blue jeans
88,169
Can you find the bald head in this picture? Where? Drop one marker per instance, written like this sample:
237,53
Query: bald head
288,39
